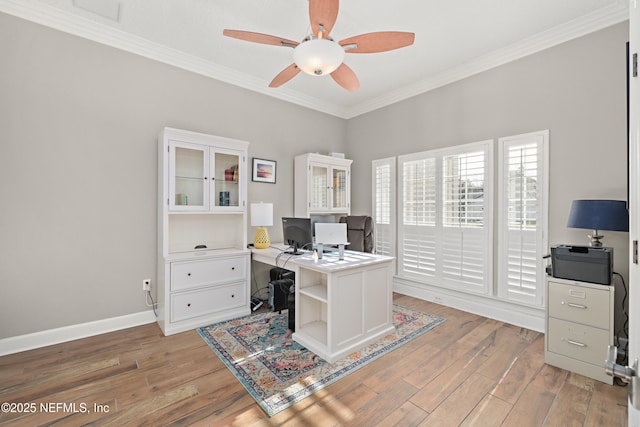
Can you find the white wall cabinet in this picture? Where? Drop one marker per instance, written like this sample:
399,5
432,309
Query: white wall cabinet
579,326
203,260
205,178
322,185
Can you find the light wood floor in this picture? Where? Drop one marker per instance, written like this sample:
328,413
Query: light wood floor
468,371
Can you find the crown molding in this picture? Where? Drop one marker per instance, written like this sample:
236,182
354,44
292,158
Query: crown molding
60,20
55,18
597,20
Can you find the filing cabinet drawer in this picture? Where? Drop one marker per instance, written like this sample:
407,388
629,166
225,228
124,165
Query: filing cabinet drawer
187,305
194,274
586,305
578,341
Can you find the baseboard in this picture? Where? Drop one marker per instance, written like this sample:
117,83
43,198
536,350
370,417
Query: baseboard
69,333
515,314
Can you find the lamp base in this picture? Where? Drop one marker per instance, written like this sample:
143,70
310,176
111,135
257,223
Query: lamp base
261,241
595,239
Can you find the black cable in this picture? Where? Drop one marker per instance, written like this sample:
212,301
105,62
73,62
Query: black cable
258,289
626,320
153,304
257,293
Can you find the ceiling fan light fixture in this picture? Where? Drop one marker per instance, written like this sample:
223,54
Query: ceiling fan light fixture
318,57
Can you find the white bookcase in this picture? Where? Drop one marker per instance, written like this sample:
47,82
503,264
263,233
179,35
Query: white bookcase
322,185
203,260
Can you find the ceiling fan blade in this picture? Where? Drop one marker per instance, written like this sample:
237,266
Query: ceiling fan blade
323,13
346,78
259,38
377,42
285,75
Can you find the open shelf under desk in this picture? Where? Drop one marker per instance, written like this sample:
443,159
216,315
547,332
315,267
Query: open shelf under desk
316,330
318,292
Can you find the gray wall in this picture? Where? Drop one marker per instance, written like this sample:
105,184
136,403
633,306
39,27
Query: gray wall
78,128
577,90
79,123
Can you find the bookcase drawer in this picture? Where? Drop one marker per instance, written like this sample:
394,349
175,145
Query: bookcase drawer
194,274
187,305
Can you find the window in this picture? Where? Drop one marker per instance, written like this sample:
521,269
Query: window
445,216
384,206
465,245
523,169
464,190
445,230
417,233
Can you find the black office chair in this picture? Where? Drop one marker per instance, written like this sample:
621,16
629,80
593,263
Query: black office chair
359,232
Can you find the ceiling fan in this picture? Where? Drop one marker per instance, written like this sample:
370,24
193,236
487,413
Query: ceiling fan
318,54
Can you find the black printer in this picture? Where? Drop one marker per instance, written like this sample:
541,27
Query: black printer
582,263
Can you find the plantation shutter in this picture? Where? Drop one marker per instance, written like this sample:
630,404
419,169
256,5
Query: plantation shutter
522,217
417,234
464,254
384,183
445,225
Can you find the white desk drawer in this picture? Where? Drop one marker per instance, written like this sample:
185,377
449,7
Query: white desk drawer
187,305
578,341
194,274
581,304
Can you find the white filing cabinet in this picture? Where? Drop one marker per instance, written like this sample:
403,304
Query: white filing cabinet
579,326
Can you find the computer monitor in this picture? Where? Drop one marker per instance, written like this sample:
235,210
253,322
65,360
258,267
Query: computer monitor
315,219
331,233
296,232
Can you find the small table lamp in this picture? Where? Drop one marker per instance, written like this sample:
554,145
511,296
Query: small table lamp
261,217
599,215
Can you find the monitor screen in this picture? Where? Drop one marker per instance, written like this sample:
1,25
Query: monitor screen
315,219
296,233
331,234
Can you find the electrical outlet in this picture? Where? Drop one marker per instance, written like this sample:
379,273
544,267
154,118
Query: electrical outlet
146,285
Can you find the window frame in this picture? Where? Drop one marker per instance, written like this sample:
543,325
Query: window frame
390,228
504,291
440,231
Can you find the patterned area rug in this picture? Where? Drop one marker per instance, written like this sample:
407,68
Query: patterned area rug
279,372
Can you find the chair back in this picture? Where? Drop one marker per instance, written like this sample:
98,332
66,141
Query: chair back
359,232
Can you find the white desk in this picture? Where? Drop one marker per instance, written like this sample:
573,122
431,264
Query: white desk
341,305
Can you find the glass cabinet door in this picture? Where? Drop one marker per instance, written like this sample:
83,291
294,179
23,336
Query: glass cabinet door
188,185
227,174
340,187
319,188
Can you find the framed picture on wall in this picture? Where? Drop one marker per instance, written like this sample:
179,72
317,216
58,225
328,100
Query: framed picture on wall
264,171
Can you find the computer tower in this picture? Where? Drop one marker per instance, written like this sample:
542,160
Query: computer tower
279,289
277,273
279,294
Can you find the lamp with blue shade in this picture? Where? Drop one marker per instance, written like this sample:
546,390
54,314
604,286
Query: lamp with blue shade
611,215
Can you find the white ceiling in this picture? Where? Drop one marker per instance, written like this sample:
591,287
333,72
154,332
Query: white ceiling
454,39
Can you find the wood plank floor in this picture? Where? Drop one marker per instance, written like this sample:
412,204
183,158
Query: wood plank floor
469,371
